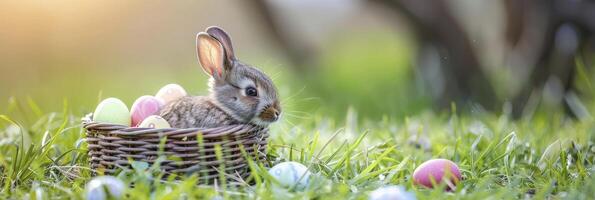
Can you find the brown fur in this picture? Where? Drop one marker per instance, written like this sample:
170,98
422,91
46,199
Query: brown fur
195,111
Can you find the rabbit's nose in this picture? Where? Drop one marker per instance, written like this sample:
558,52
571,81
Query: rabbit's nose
270,114
276,115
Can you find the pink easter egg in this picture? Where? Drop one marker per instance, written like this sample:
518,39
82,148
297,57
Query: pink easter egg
437,169
143,107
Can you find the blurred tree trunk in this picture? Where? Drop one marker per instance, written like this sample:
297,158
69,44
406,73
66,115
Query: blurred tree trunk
297,53
464,80
547,33
564,27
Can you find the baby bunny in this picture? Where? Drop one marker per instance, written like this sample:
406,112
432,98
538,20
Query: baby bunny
239,93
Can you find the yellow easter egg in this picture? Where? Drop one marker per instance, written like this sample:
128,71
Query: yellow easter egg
154,121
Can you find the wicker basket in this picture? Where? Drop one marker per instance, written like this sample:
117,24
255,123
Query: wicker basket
193,150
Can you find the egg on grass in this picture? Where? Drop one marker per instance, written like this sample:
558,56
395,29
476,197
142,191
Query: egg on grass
291,174
437,170
112,110
391,193
104,187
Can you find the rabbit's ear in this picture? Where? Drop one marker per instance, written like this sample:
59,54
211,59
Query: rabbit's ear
210,55
225,40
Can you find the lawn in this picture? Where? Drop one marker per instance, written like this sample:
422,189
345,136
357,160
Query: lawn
547,156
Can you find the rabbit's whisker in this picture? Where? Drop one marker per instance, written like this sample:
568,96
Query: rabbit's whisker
292,124
294,102
297,113
294,95
297,116
276,75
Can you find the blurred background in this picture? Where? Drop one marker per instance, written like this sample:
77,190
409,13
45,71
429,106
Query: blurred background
374,57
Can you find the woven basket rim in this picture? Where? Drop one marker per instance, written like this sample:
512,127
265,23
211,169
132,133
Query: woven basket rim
88,123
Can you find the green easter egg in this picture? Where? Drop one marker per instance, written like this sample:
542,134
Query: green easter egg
112,110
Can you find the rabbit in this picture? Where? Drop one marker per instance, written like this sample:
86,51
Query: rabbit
239,93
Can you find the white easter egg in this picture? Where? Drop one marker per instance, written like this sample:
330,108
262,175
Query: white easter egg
391,193
154,121
170,92
112,110
290,174
96,188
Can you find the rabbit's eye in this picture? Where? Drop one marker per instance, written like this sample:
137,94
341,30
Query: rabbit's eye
250,91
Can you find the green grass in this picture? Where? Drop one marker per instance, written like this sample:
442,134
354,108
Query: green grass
42,155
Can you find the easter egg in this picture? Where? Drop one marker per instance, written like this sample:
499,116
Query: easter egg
154,121
391,193
112,110
143,107
290,174
438,170
170,92
104,187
